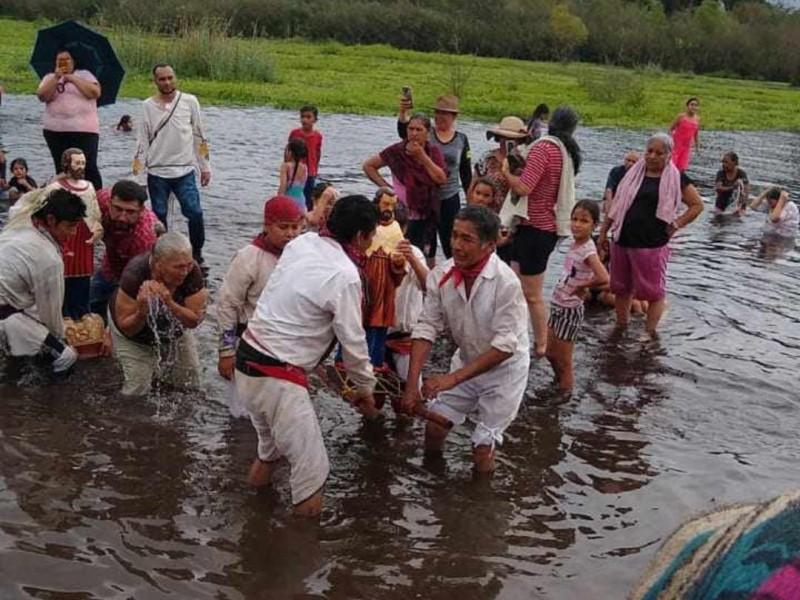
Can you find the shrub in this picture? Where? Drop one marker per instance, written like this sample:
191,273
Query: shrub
205,50
623,88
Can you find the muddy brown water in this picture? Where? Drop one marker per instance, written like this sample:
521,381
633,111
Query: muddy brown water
100,497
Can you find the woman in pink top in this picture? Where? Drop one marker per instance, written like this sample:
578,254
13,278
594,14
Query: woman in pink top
685,130
70,113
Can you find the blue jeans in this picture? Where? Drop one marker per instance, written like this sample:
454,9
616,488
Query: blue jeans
100,293
185,190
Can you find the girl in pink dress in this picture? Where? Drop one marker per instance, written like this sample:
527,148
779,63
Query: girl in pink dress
684,130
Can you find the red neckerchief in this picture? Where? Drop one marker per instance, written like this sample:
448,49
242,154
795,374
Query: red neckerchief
358,257
459,275
262,241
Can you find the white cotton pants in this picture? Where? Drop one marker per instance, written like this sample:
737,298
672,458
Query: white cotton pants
490,400
284,418
21,335
139,361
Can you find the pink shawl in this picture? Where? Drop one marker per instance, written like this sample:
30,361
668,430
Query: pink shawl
669,194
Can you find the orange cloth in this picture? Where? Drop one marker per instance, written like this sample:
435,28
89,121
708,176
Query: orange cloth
382,282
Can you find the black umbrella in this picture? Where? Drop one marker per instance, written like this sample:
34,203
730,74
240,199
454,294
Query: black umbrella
90,50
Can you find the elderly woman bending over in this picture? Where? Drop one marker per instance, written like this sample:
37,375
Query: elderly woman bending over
642,218
161,298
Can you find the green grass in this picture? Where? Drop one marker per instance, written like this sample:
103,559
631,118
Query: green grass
367,80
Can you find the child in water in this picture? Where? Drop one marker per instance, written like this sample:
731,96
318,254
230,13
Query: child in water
582,271
482,193
294,173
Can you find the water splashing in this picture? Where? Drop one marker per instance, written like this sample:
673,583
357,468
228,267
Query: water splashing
166,330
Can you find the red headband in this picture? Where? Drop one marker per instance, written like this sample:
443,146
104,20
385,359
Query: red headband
281,208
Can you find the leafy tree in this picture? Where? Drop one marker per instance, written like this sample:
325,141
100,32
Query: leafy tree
568,30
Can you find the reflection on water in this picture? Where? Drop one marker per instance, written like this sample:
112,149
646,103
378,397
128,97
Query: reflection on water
100,499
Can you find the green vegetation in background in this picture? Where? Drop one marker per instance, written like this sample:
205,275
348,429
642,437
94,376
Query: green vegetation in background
751,39
367,80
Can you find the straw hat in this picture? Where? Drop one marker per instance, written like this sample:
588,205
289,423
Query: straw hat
510,127
446,103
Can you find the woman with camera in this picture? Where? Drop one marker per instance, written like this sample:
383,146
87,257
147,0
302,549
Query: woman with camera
553,158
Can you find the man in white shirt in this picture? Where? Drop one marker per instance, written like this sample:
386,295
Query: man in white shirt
312,298
32,276
478,298
171,141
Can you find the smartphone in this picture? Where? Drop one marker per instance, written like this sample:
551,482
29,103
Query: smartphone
407,94
510,147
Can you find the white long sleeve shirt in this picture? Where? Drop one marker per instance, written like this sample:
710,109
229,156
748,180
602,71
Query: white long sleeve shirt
241,288
32,275
179,145
494,316
312,297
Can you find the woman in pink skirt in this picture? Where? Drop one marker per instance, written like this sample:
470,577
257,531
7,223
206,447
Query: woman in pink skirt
685,130
642,219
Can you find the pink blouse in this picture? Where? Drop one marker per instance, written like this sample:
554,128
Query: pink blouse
69,110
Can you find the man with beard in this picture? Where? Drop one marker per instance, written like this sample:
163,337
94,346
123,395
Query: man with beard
171,141
129,228
78,250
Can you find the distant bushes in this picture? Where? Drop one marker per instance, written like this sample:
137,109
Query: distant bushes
199,50
751,39
622,88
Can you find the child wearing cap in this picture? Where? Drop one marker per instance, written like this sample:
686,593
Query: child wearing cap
247,276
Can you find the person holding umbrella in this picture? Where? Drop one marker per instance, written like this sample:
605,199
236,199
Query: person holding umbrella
70,113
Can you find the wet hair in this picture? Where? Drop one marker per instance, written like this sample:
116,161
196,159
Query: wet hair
486,222
383,191
171,243
538,112
124,120
423,118
733,156
297,148
64,206
161,65
692,99
19,161
310,108
401,215
774,193
319,189
66,158
591,207
350,216
563,123
298,151
662,137
127,190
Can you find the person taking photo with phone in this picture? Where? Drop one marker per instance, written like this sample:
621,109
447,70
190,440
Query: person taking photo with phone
457,157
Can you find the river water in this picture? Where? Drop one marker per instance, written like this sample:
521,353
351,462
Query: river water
102,498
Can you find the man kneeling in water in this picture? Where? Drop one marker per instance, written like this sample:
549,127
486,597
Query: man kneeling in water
479,299
32,276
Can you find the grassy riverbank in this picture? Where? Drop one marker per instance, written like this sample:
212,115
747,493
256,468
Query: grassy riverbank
367,79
